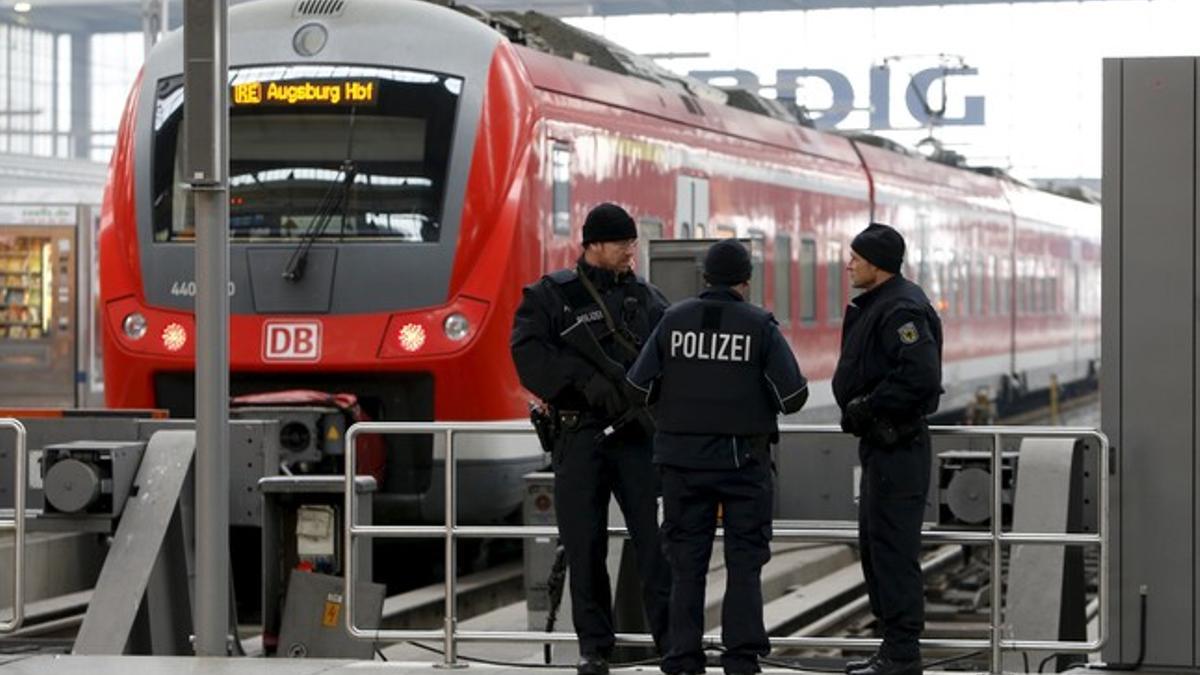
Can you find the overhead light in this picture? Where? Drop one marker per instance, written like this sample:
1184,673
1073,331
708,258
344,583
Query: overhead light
22,7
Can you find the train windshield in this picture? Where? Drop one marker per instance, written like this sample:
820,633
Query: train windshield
331,152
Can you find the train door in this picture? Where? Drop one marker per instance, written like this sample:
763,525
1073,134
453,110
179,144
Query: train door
691,207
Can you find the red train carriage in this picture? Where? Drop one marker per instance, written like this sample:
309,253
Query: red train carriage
390,197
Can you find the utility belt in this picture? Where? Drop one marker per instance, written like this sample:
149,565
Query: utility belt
887,431
549,422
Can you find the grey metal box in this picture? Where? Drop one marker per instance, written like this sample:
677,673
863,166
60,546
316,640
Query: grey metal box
314,625
111,465
539,551
1149,339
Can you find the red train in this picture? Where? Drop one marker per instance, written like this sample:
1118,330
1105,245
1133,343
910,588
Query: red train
390,196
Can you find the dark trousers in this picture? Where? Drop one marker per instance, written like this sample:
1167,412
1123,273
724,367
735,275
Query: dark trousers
690,499
586,474
892,493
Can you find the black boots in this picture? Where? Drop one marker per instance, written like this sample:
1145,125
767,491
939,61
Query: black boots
883,665
859,664
592,665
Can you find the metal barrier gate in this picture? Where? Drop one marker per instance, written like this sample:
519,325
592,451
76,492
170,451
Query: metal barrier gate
17,526
450,531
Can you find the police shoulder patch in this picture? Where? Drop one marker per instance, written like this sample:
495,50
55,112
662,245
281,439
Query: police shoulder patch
908,333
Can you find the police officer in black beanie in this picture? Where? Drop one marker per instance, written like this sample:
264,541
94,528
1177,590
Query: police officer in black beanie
888,379
593,461
718,372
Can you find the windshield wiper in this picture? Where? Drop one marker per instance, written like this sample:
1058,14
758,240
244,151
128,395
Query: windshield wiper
337,196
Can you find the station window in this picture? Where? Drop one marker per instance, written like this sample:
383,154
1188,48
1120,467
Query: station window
783,278
561,176
808,280
833,277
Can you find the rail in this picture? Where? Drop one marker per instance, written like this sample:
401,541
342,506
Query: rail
17,526
450,531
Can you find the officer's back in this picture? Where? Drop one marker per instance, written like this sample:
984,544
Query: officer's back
719,372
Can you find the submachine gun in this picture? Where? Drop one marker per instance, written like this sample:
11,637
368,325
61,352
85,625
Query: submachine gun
580,338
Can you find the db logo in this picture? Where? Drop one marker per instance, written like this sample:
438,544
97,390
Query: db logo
292,341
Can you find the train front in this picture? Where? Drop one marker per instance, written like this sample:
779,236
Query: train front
376,157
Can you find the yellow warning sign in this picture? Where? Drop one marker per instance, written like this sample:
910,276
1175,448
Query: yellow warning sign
332,610
332,434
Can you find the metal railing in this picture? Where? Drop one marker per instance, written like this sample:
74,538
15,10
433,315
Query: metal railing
450,531
17,525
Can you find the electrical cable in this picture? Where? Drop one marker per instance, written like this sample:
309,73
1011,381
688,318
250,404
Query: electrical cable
798,665
542,666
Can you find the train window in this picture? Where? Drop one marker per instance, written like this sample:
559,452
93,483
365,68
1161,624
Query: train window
561,177
320,151
833,280
757,250
648,229
783,278
977,288
1004,303
993,277
808,280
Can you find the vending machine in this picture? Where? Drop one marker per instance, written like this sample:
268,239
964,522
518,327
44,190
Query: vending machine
45,351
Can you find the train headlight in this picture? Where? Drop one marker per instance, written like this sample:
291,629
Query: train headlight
456,327
174,337
134,326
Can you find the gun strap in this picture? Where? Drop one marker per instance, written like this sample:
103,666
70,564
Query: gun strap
608,320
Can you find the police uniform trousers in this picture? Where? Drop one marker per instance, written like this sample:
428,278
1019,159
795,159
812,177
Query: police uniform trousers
586,473
892,493
690,500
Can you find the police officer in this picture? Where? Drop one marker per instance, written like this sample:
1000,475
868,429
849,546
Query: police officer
592,459
719,372
888,379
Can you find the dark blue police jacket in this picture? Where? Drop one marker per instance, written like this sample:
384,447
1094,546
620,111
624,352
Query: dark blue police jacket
718,372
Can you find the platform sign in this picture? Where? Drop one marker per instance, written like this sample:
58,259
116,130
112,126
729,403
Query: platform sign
307,92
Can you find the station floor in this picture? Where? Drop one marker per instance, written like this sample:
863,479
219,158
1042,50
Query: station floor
160,665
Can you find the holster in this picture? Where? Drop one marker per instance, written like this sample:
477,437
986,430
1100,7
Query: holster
545,424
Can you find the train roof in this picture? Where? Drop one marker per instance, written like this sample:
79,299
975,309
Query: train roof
572,61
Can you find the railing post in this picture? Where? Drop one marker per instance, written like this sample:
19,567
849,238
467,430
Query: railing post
996,507
17,526
349,519
450,648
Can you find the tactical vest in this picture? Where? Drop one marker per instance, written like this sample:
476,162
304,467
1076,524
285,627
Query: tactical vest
579,305
712,374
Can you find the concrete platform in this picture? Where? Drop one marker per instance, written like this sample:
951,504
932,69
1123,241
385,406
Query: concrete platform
166,665
163,665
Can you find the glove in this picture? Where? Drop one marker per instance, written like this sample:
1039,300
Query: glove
857,418
602,394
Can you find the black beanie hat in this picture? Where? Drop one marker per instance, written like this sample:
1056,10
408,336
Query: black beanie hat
881,246
608,222
727,263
